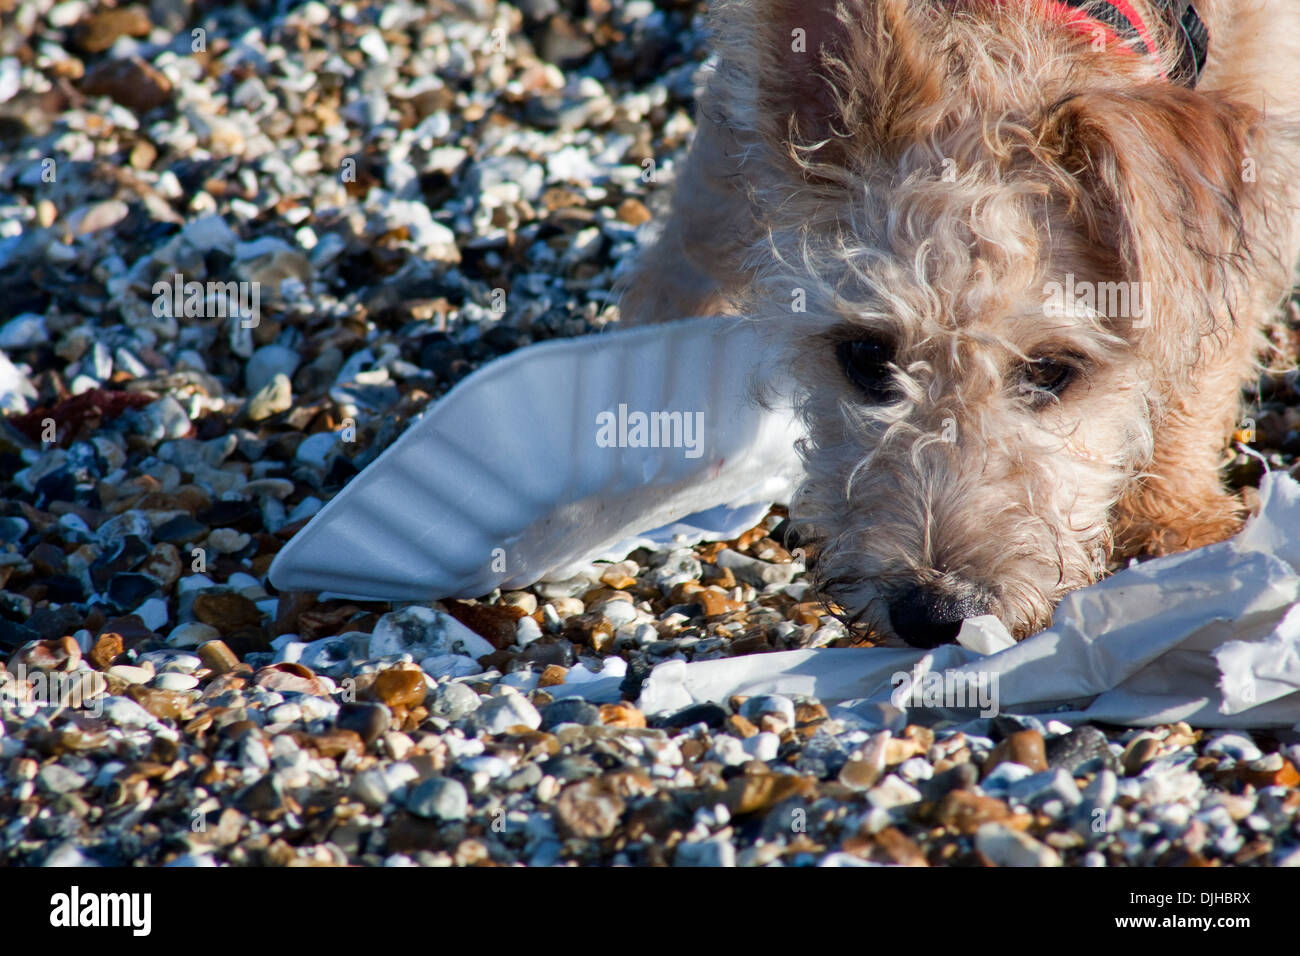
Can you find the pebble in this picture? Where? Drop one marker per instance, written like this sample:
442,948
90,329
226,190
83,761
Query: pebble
130,674
192,634
588,809
569,710
716,852
453,701
368,721
498,714
1024,747
134,552
424,632
1050,784
1237,746
757,573
439,798
401,688
57,779
1078,748
372,788
217,656
23,331
1140,751
1006,847
176,681
893,792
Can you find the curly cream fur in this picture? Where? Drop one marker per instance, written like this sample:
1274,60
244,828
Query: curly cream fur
921,172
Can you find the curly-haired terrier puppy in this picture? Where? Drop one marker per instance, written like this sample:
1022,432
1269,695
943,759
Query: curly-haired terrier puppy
1023,255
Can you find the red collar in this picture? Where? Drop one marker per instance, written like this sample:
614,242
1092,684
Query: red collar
1123,28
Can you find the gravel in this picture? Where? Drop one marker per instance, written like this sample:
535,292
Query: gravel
417,190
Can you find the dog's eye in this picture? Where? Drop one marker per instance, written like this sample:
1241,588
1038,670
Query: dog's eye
1044,379
866,364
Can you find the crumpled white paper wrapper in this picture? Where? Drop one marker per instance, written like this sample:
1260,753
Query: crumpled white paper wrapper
1210,636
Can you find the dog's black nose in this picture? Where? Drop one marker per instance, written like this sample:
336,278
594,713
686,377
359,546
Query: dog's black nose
927,617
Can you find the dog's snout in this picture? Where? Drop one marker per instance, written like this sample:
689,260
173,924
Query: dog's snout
927,617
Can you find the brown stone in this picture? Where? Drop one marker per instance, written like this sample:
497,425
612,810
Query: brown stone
630,783
163,704
472,853
965,811
633,212
755,643
900,848
923,737
808,613
336,743
592,629
617,578
1141,750
217,657
721,577
588,809
56,654
553,675
773,724
229,825
495,623
48,559
860,774
602,594
1024,747
765,549
108,648
741,726
164,563
291,677
621,714
288,607
809,713
898,749
100,30
715,602
408,833
533,744
227,612
143,154
656,818
498,660
1284,776
754,792
401,688
130,81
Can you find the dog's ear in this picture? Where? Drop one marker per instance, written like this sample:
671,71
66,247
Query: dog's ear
1165,177
829,80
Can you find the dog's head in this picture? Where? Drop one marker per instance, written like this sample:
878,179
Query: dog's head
996,249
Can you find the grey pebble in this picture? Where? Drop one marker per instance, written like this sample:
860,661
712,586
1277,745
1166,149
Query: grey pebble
439,798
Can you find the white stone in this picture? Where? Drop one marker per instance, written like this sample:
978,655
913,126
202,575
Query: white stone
192,634
23,331
176,682
265,363
210,232
423,632
1007,847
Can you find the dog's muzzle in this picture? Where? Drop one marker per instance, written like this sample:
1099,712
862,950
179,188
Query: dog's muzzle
927,617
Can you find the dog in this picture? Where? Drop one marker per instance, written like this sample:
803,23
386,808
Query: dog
1022,257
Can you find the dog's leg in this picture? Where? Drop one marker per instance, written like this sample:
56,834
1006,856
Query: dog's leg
1181,501
695,266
